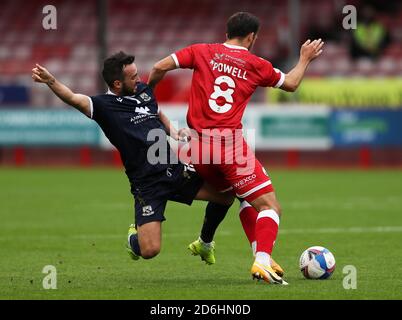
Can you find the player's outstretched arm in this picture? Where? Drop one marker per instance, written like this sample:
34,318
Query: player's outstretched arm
183,134
160,69
308,52
171,130
78,101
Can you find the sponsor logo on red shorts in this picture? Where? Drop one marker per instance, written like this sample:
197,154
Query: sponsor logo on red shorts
245,181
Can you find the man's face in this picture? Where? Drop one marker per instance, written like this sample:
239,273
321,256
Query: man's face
130,80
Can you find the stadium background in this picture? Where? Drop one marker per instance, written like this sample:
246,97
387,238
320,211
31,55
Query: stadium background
345,117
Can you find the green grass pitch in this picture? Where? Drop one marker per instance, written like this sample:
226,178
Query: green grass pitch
76,220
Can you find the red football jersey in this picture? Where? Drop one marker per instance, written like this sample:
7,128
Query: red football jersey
224,78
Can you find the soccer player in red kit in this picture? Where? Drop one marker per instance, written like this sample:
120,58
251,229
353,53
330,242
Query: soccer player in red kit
224,78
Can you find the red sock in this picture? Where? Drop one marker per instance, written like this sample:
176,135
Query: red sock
266,230
248,217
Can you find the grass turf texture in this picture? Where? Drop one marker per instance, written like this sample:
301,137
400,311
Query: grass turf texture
77,220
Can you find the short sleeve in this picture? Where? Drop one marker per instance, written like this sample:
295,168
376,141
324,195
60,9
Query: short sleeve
185,57
94,102
91,108
269,76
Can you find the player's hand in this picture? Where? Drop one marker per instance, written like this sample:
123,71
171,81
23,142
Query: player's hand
311,49
40,74
184,135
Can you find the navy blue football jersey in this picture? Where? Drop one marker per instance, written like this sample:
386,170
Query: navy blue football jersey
126,122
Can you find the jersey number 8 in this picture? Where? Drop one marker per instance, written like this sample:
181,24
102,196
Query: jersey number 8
218,92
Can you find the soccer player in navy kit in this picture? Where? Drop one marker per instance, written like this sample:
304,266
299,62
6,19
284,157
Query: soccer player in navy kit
126,114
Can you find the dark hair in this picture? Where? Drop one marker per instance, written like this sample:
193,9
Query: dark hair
241,24
113,67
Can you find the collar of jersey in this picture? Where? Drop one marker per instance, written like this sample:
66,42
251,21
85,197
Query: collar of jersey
111,93
233,46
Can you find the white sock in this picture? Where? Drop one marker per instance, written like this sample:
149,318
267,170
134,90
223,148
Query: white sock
263,258
205,244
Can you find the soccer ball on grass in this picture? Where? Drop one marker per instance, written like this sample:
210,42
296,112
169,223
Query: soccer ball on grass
317,263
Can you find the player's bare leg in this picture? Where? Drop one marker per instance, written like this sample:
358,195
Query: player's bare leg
208,193
145,240
149,238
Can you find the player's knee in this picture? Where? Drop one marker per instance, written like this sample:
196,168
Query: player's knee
271,206
149,253
277,208
150,250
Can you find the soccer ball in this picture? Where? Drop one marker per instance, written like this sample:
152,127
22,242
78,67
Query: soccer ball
317,263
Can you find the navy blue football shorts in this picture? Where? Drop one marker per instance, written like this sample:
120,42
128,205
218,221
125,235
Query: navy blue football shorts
182,186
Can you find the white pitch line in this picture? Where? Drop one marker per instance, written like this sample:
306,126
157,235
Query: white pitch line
383,229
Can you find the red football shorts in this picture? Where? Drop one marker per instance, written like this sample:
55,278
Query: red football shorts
230,164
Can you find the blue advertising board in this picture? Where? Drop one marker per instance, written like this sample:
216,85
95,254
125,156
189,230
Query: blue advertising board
47,127
281,128
375,128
